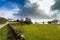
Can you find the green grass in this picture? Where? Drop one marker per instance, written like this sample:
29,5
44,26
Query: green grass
34,31
40,31
3,33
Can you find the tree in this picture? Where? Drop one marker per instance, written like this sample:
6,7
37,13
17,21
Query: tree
17,20
28,21
49,22
22,21
55,21
43,22
36,23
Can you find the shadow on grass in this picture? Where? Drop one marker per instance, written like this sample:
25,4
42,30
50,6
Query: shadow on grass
13,34
10,35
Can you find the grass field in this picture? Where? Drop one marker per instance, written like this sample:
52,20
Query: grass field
40,31
3,33
34,31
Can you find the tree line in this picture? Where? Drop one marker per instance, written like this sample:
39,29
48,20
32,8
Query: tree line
29,21
26,21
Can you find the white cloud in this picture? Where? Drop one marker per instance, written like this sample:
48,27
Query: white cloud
44,5
34,1
6,13
27,5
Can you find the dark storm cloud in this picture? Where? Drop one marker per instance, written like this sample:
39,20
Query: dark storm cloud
32,11
56,6
56,9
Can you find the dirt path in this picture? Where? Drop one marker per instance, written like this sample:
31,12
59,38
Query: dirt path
2,25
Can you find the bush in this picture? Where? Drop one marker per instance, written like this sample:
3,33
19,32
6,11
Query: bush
28,21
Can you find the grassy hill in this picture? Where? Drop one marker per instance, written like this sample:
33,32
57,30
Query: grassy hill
39,31
2,20
3,33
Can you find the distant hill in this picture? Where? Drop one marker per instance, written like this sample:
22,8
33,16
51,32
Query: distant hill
2,20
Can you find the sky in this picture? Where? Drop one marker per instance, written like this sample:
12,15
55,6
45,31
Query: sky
35,9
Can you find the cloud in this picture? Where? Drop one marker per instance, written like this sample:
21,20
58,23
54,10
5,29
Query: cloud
43,5
37,9
56,6
32,11
56,9
8,10
56,14
6,13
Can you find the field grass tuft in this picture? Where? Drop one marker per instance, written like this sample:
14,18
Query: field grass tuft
3,33
40,31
